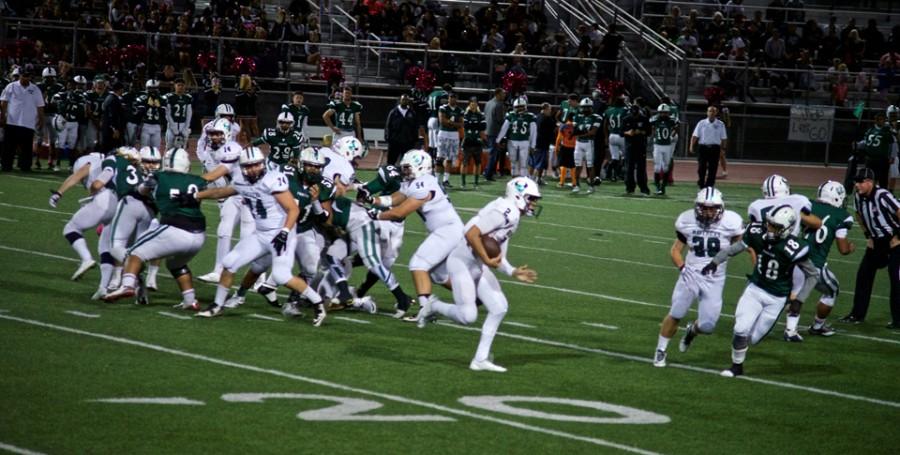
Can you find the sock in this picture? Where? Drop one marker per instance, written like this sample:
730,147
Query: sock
152,270
370,281
268,292
221,295
401,297
117,272
446,176
662,343
242,291
106,269
738,355
423,298
344,291
129,280
574,173
463,178
818,323
311,295
79,245
188,297
792,321
476,177
223,246
488,331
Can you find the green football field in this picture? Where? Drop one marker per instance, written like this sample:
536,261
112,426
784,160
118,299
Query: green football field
78,376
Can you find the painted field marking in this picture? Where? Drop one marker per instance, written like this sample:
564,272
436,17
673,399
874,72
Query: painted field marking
519,324
332,385
658,242
598,240
174,316
620,355
18,450
589,207
83,315
3,311
25,207
264,317
358,321
8,220
544,238
182,401
601,326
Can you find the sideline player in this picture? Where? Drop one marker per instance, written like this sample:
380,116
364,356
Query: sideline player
450,117
665,136
178,116
522,128
586,123
468,268
614,117
704,231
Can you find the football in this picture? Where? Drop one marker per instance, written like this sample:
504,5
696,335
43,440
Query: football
491,246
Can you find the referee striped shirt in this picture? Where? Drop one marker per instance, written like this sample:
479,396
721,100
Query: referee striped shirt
878,212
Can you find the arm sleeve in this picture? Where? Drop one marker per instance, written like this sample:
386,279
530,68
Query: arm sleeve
106,175
532,140
502,132
165,107
732,250
888,202
697,130
189,113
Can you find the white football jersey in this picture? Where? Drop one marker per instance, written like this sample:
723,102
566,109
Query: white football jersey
216,158
203,143
95,161
267,212
761,207
436,212
705,242
336,166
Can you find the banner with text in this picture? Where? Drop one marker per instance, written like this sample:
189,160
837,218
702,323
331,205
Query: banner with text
811,123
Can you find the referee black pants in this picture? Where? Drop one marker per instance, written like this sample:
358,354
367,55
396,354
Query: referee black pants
878,257
707,165
18,140
881,168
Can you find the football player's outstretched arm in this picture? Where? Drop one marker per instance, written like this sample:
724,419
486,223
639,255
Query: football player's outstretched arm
73,179
677,253
811,221
399,212
723,255
215,174
215,193
395,199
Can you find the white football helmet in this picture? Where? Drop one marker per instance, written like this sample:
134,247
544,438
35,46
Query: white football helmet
831,193
586,102
80,80
709,206
775,186
415,163
224,109
177,160
129,153
151,83
664,109
222,125
312,157
521,102
349,147
48,72
285,119
58,122
150,158
892,110
780,222
524,193
252,164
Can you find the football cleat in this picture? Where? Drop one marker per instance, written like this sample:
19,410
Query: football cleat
792,336
824,331
121,293
290,310
211,311
259,281
402,308
659,360
365,304
424,313
83,268
850,319
590,189
151,283
737,369
115,280
195,306
211,277
576,189
318,314
269,294
234,301
486,365
98,294
687,339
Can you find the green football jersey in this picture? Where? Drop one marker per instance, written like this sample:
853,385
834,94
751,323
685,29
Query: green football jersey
833,219
386,182
282,147
664,130
300,114
341,208
519,125
126,175
878,142
473,125
132,112
452,113
567,111
775,261
149,109
94,103
345,116
436,99
583,124
71,105
615,115
169,185
300,189
49,91
177,106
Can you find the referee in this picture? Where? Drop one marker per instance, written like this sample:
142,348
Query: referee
878,213
708,140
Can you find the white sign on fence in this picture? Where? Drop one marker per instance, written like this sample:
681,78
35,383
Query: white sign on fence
811,123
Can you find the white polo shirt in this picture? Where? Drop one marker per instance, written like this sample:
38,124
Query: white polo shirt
24,102
710,133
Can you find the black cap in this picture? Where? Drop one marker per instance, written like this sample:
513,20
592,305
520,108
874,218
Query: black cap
26,70
864,174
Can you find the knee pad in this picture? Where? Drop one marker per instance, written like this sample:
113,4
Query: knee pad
740,342
180,271
118,253
468,315
706,327
357,261
281,277
73,236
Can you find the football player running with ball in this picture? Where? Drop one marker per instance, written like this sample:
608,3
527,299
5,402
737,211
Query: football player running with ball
705,231
468,268
776,251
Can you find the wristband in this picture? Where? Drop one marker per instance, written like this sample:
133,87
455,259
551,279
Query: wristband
384,201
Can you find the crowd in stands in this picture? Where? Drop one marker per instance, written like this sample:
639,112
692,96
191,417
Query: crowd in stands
784,50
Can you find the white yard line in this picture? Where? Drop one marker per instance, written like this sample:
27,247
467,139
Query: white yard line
264,317
519,324
658,242
358,321
544,238
174,316
329,384
25,207
83,315
8,220
600,326
177,401
18,450
598,240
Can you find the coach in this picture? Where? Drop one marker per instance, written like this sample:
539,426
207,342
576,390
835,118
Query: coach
878,213
402,129
21,113
112,122
708,140
494,113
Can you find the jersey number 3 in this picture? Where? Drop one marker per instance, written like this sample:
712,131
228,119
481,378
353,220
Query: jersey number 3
708,247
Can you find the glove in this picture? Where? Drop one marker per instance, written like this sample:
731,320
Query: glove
280,242
185,199
55,196
710,268
373,213
364,195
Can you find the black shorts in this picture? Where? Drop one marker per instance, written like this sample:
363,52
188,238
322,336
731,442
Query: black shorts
472,152
566,156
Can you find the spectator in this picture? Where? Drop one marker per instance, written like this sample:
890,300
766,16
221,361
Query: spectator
311,49
21,113
245,107
474,138
775,48
795,12
608,53
403,129
494,113
853,50
211,96
688,43
734,8
775,12
112,123
874,40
